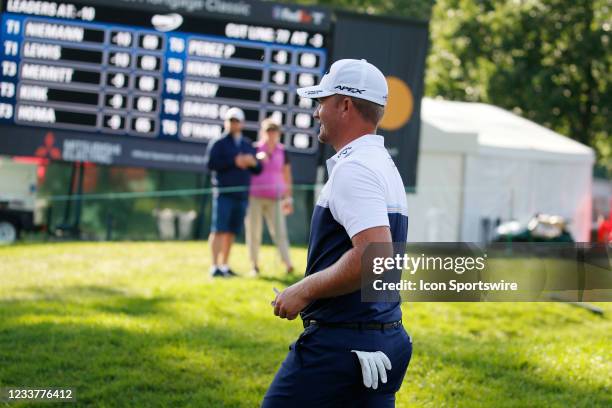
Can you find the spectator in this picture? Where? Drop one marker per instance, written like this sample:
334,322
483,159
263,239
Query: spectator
270,196
231,159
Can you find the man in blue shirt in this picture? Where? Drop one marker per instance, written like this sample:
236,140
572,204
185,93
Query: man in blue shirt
347,344
231,158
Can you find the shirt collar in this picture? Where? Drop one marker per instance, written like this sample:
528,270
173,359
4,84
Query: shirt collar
277,146
236,139
361,141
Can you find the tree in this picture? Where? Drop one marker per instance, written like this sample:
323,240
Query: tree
547,60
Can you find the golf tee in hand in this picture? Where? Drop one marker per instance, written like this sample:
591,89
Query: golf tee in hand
273,303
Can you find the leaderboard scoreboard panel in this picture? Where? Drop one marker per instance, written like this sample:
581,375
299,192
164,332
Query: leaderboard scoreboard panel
157,81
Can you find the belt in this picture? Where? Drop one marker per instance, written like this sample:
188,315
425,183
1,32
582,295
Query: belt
354,326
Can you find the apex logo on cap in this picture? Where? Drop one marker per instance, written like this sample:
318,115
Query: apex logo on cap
349,89
355,78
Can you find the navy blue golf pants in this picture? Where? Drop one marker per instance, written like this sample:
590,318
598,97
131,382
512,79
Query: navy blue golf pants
321,371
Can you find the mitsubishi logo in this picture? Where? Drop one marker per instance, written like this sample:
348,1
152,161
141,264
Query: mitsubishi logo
48,149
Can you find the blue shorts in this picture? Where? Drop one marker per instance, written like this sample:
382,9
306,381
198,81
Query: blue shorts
228,214
321,371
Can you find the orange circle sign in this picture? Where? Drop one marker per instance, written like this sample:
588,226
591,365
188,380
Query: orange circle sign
399,105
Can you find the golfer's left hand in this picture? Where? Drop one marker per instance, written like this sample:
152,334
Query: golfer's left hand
290,302
374,366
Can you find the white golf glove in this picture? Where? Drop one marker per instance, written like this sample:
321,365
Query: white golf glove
373,366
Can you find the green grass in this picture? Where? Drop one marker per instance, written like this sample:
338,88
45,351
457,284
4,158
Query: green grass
142,324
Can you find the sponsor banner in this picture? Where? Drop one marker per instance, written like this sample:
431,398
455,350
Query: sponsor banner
289,15
109,150
381,42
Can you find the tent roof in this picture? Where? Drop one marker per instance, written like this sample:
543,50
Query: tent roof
496,132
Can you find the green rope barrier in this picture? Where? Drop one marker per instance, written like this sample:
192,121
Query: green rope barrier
162,193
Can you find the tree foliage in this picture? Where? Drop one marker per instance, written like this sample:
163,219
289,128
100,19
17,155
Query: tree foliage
547,60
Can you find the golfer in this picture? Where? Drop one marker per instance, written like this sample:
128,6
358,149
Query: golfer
351,353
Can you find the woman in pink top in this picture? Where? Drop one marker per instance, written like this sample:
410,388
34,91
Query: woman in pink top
270,195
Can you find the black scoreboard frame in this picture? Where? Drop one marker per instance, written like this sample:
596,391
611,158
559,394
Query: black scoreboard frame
125,144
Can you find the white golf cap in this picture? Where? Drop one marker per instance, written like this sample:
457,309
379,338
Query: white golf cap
234,113
357,78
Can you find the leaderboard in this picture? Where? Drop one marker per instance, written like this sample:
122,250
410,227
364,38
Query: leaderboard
168,77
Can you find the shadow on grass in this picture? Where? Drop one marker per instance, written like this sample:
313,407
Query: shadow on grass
101,298
88,291
286,280
112,366
220,363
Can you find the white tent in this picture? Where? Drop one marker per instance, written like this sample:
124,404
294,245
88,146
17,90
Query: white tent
479,164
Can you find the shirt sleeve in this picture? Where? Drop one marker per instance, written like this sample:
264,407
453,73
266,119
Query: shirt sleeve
217,158
357,198
250,148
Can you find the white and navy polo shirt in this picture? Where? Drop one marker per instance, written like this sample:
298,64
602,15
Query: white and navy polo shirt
364,190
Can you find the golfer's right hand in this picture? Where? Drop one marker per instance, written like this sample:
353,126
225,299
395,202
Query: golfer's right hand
290,302
373,366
